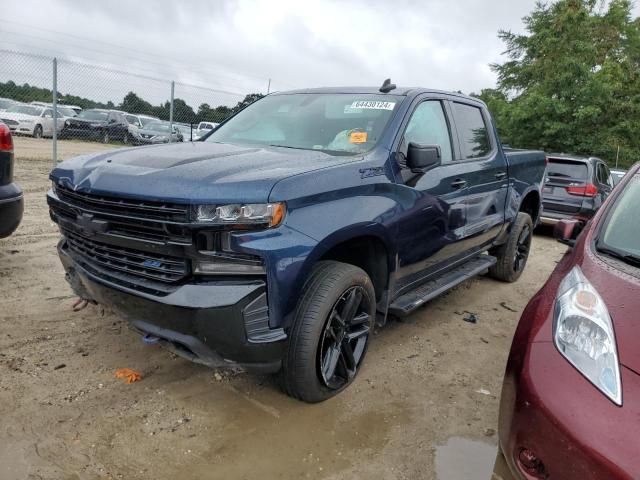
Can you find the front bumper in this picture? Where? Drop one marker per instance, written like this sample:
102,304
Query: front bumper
148,141
215,323
82,133
549,409
11,209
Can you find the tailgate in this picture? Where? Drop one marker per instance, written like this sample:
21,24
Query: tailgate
561,174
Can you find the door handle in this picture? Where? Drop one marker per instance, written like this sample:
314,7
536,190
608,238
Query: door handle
459,183
501,175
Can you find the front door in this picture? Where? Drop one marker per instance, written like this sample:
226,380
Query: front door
431,226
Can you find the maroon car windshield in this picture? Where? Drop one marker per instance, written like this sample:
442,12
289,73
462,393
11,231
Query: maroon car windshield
621,232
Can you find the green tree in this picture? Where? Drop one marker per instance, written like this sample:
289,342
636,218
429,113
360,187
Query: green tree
571,83
133,103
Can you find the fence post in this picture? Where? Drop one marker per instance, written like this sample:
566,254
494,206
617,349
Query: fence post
173,85
55,111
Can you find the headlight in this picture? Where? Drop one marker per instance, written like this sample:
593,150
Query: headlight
583,333
96,125
268,214
67,123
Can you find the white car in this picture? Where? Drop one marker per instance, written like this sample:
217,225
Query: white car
33,120
6,103
203,129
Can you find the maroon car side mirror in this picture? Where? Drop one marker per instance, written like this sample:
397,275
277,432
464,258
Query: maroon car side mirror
566,231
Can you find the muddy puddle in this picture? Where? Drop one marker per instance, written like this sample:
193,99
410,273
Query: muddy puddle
465,459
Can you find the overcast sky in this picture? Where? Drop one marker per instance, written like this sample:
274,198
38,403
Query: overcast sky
237,45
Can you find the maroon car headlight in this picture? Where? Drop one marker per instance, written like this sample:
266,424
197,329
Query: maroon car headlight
583,333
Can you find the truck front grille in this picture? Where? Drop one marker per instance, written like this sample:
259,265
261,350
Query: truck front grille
137,263
165,212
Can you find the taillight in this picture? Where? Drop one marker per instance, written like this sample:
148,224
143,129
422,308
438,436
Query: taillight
6,142
589,190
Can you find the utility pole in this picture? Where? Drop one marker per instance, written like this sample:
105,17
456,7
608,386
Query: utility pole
269,87
55,111
617,156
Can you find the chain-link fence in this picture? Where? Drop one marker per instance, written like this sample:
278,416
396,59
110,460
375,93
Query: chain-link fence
94,103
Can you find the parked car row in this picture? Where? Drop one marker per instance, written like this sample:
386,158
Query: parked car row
36,119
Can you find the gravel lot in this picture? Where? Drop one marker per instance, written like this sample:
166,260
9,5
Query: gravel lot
414,411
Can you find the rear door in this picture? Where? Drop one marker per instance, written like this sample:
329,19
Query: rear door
564,176
483,167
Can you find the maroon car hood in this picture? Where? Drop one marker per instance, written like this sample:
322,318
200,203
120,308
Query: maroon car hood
621,292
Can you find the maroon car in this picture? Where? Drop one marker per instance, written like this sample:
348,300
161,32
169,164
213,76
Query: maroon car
570,406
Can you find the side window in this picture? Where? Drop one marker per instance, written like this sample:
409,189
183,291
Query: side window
428,125
48,113
603,175
472,130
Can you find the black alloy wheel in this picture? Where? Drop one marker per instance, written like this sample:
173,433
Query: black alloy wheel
345,339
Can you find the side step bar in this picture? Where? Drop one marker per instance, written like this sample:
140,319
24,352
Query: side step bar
407,303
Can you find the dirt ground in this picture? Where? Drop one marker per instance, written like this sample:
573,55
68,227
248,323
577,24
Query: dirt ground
423,407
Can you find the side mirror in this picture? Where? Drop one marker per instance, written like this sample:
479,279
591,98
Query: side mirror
566,231
421,157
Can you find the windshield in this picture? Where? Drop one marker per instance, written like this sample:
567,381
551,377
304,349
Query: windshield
621,234
67,112
93,115
146,120
339,123
26,109
157,127
6,103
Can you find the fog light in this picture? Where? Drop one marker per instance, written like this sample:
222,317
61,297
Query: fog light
221,266
531,464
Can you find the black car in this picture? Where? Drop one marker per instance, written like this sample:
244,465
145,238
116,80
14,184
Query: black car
97,124
11,200
575,187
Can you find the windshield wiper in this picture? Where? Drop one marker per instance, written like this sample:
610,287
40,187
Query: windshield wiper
287,146
628,258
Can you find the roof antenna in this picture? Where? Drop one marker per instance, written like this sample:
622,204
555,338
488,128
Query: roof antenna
387,86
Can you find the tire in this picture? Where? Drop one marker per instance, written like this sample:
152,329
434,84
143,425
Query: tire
324,353
37,131
512,256
105,136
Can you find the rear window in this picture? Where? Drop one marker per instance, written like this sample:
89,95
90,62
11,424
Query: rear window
567,169
472,130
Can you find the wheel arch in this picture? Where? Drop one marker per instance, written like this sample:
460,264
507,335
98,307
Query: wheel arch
531,203
365,246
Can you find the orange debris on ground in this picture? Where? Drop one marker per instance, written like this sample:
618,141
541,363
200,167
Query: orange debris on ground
128,374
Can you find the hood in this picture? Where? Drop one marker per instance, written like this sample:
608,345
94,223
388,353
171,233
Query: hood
618,286
191,172
18,116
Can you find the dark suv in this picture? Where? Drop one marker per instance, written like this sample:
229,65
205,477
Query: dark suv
575,187
97,124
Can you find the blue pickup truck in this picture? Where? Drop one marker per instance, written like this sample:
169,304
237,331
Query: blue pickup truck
279,240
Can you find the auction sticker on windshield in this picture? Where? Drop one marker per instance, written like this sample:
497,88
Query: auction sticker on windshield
373,105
